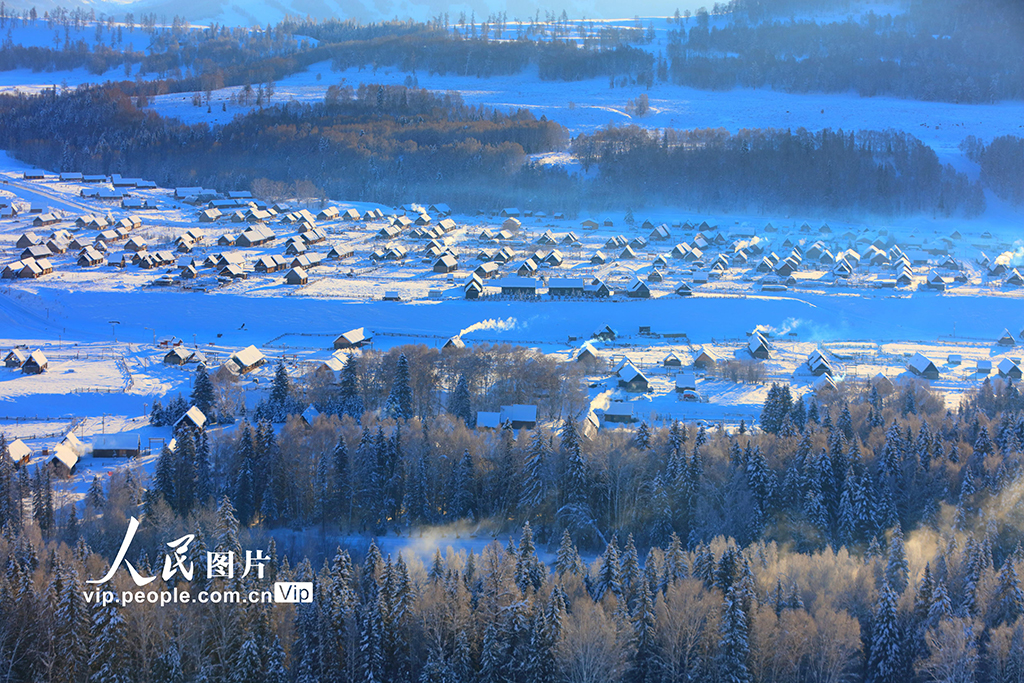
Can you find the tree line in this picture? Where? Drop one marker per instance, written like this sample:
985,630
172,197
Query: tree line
379,143
936,51
886,172
1002,164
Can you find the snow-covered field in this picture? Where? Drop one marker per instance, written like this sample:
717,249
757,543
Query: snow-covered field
584,106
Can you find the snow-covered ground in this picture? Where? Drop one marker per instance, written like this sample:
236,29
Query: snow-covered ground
585,106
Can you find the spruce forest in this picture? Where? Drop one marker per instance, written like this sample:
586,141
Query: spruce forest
860,534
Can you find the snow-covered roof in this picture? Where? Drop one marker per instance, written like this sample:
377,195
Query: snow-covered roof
628,372
72,442
686,381
920,364
18,450
195,416
65,455
519,413
310,414
619,409
248,356
488,420
179,352
355,336
1006,366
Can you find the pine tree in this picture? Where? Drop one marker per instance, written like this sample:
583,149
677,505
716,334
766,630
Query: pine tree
280,390
205,488
530,571
885,660
1009,597
226,529
156,414
324,494
609,576
203,395
734,647
642,438
184,472
459,403
575,511
463,502
350,395
534,480
342,481
661,509
567,560
71,621
109,662
399,401
897,570
10,495
42,500
94,497
630,563
165,475
643,665
675,562
417,506
371,647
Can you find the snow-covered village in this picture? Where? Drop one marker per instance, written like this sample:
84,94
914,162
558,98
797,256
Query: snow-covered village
413,343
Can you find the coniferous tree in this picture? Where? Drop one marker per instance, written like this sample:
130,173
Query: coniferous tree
897,570
643,664
109,662
10,496
165,476
71,622
530,572
42,500
567,560
203,395
459,403
1009,598
575,510
463,500
609,576
885,660
350,396
205,486
184,471
534,481
734,646
280,391
342,481
399,401
94,497
642,437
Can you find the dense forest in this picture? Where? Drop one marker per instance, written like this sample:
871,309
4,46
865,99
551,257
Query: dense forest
860,534
884,172
379,143
1002,164
939,50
